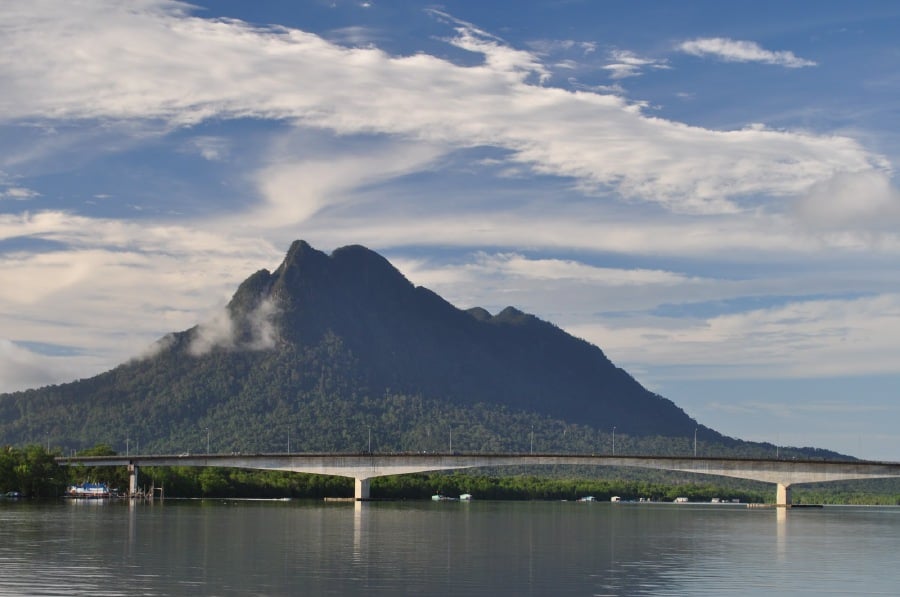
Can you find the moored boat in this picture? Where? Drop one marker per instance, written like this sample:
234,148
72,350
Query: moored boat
89,491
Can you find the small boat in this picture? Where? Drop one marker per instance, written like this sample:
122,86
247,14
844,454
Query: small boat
442,498
466,497
587,498
89,491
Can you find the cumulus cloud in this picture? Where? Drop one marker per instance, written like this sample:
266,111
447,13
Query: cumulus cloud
183,69
731,50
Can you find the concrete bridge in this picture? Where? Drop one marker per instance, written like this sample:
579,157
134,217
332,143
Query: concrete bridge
367,466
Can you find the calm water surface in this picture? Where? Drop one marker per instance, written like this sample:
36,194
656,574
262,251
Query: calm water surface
225,547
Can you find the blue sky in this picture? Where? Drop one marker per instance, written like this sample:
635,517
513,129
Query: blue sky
705,190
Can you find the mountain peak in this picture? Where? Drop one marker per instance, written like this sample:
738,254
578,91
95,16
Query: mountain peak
479,313
325,337
368,269
353,264
300,261
511,315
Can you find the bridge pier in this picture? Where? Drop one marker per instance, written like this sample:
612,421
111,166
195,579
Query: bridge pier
783,495
132,479
362,489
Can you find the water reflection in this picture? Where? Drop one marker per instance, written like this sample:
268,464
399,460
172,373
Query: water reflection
781,516
265,548
132,516
358,531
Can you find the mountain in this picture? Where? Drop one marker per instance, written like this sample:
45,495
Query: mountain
409,339
329,351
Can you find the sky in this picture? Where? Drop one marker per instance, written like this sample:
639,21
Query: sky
707,191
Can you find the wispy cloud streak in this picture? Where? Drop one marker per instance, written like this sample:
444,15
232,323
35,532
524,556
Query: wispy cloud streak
731,50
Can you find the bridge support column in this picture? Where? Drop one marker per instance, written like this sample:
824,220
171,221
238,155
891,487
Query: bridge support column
132,480
362,489
783,496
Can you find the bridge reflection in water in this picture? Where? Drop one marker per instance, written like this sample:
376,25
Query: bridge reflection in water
367,466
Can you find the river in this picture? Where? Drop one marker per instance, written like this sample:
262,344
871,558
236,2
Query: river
235,547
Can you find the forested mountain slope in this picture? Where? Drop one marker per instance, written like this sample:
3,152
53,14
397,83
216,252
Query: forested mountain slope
330,350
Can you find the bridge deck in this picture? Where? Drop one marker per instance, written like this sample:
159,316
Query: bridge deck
366,466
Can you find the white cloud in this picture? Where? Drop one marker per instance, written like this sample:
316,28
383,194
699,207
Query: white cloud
731,50
812,339
222,331
655,323
209,147
215,331
21,368
862,201
18,194
512,265
563,291
112,288
628,64
498,56
548,221
184,70
553,46
295,186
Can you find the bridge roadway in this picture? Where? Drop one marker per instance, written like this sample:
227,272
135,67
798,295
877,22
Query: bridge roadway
367,466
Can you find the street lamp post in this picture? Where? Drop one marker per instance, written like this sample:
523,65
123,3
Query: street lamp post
614,441
695,442
207,440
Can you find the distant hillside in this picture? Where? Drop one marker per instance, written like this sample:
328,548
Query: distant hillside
327,352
